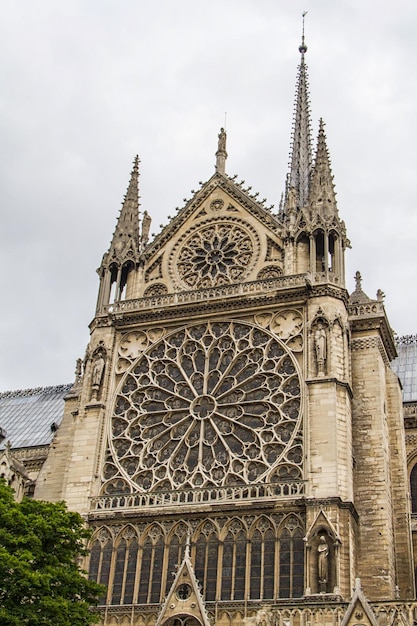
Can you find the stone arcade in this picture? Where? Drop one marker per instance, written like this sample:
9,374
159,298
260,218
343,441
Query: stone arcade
235,434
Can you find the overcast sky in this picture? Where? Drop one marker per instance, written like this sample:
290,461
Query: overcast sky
87,84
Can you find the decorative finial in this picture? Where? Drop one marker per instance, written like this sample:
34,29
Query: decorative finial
303,47
187,544
221,154
358,281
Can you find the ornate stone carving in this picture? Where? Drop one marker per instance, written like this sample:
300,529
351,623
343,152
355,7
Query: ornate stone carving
155,290
133,344
217,204
320,348
97,372
212,404
287,325
271,271
323,563
216,253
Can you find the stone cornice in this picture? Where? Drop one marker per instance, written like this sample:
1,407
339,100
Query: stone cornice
336,381
374,341
318,503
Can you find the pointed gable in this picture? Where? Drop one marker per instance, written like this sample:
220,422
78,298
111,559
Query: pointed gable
184,597
221,236
359,609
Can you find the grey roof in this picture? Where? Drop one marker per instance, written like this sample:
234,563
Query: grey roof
26,415
405,366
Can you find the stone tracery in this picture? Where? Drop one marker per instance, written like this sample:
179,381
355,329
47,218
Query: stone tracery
217,253
212,404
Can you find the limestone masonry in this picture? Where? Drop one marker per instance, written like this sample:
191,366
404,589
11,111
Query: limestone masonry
236,436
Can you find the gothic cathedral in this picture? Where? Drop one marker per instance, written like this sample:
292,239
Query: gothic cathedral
234,437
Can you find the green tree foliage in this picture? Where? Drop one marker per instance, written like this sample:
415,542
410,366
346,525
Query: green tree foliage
41,583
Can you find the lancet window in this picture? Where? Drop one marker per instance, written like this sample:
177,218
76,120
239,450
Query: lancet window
413,489
231,561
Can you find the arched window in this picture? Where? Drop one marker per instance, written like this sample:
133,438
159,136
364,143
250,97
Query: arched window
119,569
131,571
206,560
175,556
234,566
124,572
262,565
151,570
413,489
100,563
320,252
291,564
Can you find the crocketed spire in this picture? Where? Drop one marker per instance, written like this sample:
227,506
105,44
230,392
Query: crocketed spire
322,194
300,157
126,234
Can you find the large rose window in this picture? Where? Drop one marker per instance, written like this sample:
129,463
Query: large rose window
212,404
215,254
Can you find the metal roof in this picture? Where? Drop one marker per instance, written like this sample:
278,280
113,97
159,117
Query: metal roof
405,366
26,415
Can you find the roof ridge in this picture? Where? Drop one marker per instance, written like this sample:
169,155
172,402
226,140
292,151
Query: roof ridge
22,393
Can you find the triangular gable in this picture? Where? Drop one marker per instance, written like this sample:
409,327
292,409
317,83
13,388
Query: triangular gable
359,609
184,597
237,194
221,236
322,522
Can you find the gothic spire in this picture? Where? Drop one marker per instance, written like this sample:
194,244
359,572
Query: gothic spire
126,234
300,156
322,194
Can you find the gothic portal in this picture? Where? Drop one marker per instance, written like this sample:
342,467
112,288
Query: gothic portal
234,436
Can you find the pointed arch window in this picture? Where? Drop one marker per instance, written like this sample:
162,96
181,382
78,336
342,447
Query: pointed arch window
291,563
100,564
262,564
320,251
175,555
206,561
151,570
234,566
119,572
413,489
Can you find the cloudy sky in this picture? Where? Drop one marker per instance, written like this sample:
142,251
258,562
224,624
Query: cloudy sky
87,84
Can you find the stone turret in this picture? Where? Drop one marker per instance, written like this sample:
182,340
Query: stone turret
123,254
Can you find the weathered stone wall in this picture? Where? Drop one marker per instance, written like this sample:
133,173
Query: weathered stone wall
372,476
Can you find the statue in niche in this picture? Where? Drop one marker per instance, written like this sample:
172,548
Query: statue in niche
320,347
323,563
97,374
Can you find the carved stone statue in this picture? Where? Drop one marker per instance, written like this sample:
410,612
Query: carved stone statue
222,141
97,374
78,369
146,226
320,346
323,563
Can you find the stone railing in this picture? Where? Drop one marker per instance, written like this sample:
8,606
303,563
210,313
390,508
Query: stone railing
212,293
210,495
306,611
367,308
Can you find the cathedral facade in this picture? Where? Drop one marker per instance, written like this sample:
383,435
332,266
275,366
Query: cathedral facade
235,434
